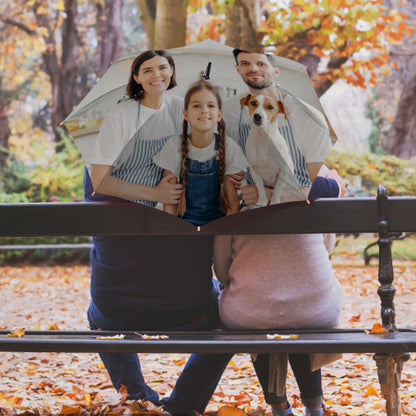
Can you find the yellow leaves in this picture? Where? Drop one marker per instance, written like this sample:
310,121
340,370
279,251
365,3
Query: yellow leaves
278,336
370,391
17,333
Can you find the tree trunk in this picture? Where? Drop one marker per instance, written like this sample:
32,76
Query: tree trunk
4,130
402,134
242,20
147,13
170,25
61,74
109,33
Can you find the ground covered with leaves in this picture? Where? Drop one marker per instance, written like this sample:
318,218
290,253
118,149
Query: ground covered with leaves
77,384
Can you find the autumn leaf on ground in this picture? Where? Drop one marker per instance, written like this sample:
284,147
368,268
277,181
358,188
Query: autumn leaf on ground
278,336
377,329
119,336
355,318
17,333
370,391
230,411
145,336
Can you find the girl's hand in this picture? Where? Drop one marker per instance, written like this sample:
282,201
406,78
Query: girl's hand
168,192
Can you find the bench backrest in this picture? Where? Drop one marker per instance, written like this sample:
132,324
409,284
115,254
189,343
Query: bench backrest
382,215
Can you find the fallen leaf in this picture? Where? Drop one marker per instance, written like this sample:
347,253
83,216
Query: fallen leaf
370,391
278,336
119,336
144,336
17,333
378,329
231,411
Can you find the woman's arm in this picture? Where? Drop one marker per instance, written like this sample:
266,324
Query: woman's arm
103,183
222,257
171,208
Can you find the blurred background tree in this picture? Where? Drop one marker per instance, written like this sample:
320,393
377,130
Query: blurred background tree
53,51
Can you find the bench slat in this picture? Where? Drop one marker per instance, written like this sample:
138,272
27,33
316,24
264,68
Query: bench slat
348,341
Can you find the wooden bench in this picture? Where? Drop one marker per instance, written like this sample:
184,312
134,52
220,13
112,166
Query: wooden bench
382,215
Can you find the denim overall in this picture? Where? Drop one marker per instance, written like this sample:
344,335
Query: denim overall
202,191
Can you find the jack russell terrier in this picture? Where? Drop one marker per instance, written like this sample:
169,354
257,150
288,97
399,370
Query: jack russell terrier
267,152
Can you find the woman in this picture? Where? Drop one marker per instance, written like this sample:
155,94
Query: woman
131,288
274,282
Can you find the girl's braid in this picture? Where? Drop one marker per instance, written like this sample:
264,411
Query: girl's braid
221,148
184,165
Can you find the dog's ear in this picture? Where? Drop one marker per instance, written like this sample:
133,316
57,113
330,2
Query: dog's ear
244,101
283,109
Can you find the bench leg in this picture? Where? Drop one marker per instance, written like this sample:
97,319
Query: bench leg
389,369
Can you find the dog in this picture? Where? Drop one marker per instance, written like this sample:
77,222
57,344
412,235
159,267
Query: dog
267,152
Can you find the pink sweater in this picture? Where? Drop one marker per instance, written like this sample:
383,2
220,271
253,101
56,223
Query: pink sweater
276,281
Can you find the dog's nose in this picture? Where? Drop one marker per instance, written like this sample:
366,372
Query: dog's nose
257,118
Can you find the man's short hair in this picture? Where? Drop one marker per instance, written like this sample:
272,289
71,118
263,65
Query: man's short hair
236,52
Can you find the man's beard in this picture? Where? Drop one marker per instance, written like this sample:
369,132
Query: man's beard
259,86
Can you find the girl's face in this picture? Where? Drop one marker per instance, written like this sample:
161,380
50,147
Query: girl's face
203,112
154,75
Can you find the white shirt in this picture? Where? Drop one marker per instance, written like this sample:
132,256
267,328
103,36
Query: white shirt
169,157
119,126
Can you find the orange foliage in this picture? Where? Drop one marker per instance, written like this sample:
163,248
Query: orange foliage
353,29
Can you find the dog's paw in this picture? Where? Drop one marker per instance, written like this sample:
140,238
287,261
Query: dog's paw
275,201
262,202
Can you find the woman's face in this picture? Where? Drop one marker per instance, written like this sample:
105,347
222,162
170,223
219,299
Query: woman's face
203,112
154,75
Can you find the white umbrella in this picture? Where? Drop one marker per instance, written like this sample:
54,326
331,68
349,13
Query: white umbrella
84,121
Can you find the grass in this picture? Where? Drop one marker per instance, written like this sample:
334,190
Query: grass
350,245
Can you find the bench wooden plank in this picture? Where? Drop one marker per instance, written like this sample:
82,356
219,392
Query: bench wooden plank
348,215
348,341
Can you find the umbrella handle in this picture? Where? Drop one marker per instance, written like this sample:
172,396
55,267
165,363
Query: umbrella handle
207,71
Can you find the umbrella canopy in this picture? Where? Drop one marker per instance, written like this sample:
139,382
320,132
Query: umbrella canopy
84,121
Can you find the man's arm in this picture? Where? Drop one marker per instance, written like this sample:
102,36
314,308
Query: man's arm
330,186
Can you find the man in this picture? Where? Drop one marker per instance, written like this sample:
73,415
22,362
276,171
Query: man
305,129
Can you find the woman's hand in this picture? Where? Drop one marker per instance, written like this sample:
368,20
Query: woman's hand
168,190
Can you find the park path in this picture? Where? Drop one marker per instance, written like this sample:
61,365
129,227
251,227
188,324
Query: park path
77,384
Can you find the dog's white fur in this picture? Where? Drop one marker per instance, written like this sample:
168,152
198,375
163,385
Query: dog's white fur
267,152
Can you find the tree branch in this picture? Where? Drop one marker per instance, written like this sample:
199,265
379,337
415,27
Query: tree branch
19,25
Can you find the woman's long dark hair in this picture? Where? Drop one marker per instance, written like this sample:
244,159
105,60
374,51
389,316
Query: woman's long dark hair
135,90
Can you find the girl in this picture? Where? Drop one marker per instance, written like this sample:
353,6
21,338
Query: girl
202,159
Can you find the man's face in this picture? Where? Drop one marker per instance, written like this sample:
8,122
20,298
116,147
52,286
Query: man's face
256,70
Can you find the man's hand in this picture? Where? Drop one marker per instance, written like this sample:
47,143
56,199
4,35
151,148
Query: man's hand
250,196
333,174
